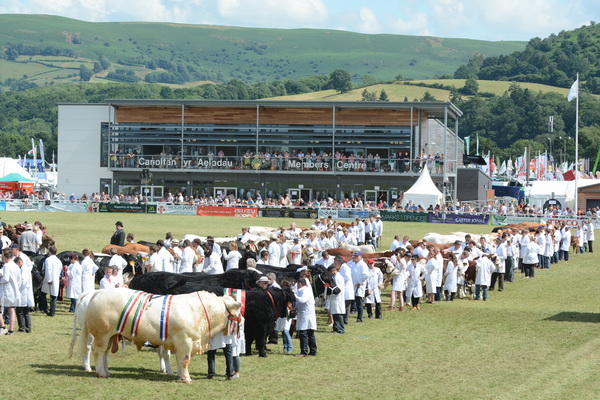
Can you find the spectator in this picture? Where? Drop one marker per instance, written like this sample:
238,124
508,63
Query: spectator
118,238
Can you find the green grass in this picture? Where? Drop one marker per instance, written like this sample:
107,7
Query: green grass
536,340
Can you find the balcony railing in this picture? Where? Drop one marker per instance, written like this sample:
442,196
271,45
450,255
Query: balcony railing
266,163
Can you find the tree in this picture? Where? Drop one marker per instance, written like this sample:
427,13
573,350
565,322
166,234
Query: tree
471,87
340,80
428,97
383,96
368,96
368,80
85,74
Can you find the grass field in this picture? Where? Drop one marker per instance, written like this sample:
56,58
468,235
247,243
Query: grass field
536,340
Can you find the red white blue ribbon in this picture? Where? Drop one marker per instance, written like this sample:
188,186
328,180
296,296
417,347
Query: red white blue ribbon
164,317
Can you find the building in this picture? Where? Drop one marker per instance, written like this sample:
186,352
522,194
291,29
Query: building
308,149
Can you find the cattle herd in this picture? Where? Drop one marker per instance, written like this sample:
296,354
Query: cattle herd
198,306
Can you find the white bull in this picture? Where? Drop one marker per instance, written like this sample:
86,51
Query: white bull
437,238
193,319
365,248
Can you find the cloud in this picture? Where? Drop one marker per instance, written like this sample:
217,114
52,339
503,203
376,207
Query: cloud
274,13
368,21
415,24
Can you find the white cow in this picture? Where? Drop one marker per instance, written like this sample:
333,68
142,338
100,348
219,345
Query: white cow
365,248
184,330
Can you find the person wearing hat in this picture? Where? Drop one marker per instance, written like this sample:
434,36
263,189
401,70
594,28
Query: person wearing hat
29,242
360,275
337,304
118,238
263,282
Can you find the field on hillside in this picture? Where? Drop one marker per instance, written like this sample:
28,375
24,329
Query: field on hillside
538,339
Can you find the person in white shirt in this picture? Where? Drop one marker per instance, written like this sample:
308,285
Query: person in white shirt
274,249
484,269
212,261
590,235
531,258
378,229
326,260
88,271
244,236
395,243
324,241
108,281
5,241
360,275
306,320
26,300
74,273
233,257
373,295
10,293
51,282
498,275
188,258
119,262
296,252
166,258
361,231
420,250
177,254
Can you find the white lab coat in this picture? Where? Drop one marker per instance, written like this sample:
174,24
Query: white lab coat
360,275
337,303
399,281
451,275
346,273
167,260
305,306
88,274
414,286
10,284
26,289
213,265
274,254
484,269
233,259
74,273
431,278
375,279
188,258
53,268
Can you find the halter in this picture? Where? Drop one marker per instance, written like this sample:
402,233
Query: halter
273,303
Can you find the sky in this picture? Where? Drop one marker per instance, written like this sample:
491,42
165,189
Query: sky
473,19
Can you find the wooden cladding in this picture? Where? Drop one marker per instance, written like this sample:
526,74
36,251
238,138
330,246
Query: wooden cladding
267,116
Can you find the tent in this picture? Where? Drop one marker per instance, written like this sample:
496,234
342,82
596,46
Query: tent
563,191
10,165
16,183
423,192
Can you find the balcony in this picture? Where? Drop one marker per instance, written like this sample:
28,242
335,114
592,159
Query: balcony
279,164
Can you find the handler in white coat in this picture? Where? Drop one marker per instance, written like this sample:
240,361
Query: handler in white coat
414,289
360,275
399,282
51,282
337,304
26,300
88,271
431,278
274,253
484,269
375,284
451,275
346,273
10,282
306,320
74,287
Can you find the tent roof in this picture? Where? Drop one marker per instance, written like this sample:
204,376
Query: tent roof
424,185
9,165
14,177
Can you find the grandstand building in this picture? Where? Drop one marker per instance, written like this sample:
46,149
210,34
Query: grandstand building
306,149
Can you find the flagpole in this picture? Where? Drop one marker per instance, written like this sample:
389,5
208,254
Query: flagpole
577,147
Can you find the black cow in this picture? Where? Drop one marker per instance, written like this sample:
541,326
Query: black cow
321,279
235,279
262,308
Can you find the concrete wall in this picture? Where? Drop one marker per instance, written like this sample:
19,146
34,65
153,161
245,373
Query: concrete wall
79,148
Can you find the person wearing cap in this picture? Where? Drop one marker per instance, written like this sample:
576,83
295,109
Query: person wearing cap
414,288
118,238
306,320
373,291
263,282
399,282
10,294
337,304
360,275
29,242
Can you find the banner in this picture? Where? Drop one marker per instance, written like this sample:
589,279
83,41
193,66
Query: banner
460,218
513,219
124,208
227,211
288,213
345,214
65,207
571,222
404,216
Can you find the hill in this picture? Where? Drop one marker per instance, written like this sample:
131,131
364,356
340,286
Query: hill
51,50
555,60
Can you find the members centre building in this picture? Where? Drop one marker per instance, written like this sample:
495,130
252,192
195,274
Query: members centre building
306,149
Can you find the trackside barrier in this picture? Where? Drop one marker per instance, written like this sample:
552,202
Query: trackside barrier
282,212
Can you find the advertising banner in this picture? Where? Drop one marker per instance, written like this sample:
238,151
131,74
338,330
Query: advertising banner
512,219
477,219
404,216
123,208
66,207
345,214
227,211
571,222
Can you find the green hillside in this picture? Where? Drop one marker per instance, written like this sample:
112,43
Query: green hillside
49,50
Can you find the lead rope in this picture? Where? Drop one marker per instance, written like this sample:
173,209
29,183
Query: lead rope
206,314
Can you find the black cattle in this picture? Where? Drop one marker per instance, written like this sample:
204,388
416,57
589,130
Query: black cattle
262,308
321,279
235,279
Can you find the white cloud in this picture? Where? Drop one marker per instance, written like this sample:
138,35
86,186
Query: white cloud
279,13
414,24
368,21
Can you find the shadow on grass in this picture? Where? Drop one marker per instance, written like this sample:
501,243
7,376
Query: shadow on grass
116,372
573,316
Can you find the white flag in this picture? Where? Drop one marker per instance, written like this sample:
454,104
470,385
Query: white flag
574,92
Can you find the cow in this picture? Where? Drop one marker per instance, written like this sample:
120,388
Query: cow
184,330
262,308
129,248
321,279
